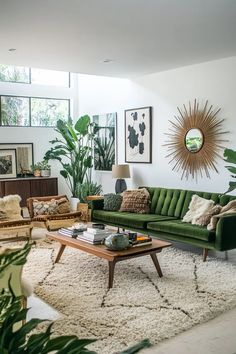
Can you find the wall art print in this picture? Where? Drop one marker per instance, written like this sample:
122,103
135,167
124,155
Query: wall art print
104,141
24,156
7,163
138,135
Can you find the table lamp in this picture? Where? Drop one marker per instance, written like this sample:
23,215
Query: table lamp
120,172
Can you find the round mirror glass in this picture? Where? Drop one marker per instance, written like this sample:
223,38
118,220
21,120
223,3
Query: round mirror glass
194,140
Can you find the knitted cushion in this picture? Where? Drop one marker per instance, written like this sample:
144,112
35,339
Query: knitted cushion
112,201
204,219
136,201
63,206
45,208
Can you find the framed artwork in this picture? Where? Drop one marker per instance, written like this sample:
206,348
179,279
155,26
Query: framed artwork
24,156
138,135
7,163
105,149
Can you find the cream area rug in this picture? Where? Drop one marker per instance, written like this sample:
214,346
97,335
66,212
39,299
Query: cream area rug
140,304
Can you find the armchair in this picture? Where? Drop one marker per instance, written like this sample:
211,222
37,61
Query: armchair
12,225
53,212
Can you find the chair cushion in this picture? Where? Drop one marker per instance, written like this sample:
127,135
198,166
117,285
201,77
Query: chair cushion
63,206
177,227
136,201
137,221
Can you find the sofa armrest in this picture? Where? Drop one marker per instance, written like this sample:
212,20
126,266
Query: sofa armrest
226,233
97,204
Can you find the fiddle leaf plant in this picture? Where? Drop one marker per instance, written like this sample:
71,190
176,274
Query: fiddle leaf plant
230,157
73,149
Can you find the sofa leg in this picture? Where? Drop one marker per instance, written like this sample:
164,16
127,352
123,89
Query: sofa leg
205,254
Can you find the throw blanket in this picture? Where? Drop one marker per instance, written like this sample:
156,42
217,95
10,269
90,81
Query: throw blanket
229,208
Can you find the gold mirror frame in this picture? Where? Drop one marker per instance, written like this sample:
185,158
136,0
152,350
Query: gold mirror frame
199,162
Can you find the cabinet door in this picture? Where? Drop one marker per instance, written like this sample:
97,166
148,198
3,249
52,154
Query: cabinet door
20,187
43,186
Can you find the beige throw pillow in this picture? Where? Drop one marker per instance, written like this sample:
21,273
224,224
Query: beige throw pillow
197,207
136,201
63,206
205,218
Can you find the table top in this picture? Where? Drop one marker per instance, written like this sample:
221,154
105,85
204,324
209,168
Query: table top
103,252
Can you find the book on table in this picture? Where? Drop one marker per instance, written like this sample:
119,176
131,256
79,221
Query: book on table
141,240
93,242
96,236
72,231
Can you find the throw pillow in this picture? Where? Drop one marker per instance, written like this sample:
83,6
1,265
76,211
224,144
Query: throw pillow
63,206
45,208
112,202
197,207
10,206
205,218
229,208
136,201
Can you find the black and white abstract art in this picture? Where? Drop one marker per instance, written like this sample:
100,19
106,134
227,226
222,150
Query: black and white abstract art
138,135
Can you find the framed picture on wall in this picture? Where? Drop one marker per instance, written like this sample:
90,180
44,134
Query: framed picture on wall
105,149
24,156
138,135
7,163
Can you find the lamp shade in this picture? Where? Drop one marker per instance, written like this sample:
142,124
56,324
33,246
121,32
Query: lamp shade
120,171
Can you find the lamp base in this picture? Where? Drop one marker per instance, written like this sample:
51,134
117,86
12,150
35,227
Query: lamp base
120,185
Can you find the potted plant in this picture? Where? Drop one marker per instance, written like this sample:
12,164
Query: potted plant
45,168
36,169
230,157
73,149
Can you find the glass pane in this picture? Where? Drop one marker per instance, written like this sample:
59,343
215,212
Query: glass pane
49,77
46,112
14,111
14,74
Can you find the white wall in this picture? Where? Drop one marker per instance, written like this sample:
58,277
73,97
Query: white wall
214,81
40,137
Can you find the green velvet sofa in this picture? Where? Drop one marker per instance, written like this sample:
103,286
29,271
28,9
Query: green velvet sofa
168,206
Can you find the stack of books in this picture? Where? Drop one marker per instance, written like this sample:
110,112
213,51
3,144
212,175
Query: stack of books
72,231
94,236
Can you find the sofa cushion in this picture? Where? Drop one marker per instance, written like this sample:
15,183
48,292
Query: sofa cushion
197,207
137,221
178,227
10,208
136,201
112,201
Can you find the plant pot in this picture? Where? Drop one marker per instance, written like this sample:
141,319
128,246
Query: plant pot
37,173
45,173
74,203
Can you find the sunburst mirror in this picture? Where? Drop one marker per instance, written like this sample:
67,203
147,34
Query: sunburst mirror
195,140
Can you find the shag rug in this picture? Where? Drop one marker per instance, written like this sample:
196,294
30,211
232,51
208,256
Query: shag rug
140,304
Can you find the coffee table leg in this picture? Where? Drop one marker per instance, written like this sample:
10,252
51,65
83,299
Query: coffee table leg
111,265
156,263
61,250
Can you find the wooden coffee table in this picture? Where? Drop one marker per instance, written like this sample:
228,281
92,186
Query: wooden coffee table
111,256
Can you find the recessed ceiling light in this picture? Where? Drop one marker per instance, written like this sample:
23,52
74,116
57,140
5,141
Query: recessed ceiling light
107,60
11,49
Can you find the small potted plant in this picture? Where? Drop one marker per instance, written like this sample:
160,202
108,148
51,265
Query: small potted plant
45,168
36,169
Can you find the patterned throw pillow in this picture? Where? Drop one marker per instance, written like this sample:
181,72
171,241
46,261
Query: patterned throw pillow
45,208
136,201
204,219
112,202
63,206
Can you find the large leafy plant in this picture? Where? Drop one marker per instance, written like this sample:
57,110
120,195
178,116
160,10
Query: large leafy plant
230,157
73,150
21,340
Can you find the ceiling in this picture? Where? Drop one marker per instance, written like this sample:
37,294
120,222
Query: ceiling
139,36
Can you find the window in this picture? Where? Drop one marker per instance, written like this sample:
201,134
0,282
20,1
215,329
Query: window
45,112
32,111
50,77
10,73
15,111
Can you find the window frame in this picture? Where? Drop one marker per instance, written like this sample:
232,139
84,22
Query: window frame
30,97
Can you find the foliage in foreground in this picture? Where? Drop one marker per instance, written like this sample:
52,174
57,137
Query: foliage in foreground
18,339
230,157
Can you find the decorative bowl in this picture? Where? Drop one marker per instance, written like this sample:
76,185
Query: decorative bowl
117,242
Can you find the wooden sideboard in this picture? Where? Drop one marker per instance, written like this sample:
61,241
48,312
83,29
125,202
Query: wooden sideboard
29,187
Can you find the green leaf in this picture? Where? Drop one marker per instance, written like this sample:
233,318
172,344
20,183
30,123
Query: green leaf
64,174
230,156
82,125
231,169
232,186
137,347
